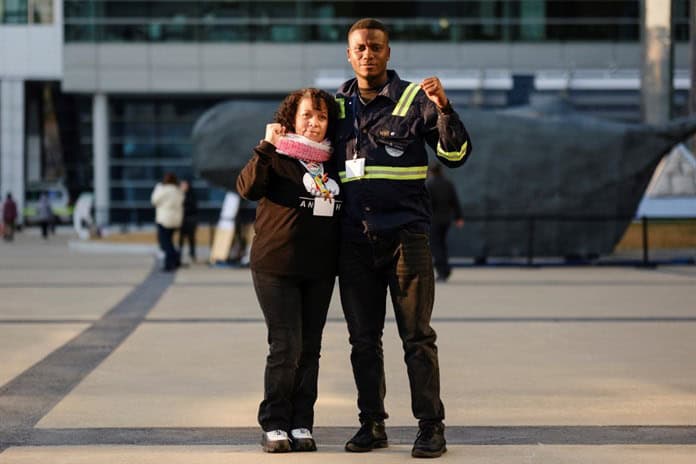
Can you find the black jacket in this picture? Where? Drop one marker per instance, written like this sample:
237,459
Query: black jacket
443,198
290,240
190,205
391,135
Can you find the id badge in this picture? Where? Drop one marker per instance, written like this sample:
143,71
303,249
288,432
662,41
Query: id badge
355,168
323,207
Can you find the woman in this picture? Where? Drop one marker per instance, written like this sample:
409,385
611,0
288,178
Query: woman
169,209
293,258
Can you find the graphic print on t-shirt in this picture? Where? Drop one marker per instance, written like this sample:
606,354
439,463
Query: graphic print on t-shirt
317,182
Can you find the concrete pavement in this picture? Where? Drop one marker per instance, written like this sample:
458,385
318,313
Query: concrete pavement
106,360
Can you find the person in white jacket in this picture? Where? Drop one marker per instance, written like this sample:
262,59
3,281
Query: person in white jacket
168,200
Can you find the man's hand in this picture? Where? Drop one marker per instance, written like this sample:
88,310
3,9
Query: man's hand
434,91
459,223
274,131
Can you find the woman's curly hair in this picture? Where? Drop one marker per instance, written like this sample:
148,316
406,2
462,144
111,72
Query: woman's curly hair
285,115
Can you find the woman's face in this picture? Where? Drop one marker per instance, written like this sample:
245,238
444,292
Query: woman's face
310,122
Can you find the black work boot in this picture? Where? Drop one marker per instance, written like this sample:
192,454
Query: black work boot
370,436
430,442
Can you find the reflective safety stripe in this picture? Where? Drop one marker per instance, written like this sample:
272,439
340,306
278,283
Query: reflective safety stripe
405,101
390,173
341,107
452,155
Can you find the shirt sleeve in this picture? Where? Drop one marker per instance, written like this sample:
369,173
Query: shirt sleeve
156,195
252,182
446,134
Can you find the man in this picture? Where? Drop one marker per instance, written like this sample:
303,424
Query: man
187,231
445,207
383,163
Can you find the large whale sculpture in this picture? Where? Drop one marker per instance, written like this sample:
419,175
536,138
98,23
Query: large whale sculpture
543,180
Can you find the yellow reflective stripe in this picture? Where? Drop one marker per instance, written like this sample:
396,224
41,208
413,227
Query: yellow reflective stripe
341,107
452,155
389,172
405,101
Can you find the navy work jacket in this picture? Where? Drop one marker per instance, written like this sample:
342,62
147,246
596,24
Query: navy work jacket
390,132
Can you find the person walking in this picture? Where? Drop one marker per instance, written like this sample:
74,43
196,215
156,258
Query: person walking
294,258
9,217
189,224
45,215
445,207
168,201
385,224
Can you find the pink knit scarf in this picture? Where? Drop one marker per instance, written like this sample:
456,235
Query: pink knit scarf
300,147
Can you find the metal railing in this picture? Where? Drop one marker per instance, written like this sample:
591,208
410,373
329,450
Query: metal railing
531,225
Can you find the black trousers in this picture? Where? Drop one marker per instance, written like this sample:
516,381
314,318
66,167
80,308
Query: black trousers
171,255
44,228
438,236
403,263
295,312
187,232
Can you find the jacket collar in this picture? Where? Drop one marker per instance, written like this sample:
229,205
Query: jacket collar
392,89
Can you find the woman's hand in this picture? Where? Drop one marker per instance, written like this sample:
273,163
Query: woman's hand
274,131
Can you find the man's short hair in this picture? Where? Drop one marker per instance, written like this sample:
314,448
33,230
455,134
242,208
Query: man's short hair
369,23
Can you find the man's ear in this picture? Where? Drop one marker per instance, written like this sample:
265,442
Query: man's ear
388,52
348,54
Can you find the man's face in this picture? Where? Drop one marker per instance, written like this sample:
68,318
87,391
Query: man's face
368,53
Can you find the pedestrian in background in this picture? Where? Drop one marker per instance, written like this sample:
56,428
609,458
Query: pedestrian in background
9,217
445,206
45,215
169,210
189,224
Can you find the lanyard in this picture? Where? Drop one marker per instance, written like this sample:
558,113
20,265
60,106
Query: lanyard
356,129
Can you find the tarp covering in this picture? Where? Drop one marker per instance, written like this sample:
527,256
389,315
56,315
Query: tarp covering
579,178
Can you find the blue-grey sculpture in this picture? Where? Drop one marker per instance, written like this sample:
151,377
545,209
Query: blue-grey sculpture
542,178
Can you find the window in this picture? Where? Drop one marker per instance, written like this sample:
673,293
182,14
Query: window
327,21
13,11
26,11
40,12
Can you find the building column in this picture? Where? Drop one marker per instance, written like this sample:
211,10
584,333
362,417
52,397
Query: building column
692,56
658,51
12,142
100,144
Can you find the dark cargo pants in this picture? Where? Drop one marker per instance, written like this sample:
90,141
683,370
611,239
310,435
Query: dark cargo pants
401,262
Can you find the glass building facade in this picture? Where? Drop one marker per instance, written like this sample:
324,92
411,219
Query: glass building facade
26,11
150,134
326,21
149,137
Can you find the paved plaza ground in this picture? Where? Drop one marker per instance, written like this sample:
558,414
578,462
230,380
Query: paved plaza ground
107,360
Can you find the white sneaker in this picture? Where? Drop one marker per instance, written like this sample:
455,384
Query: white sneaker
302,440
275,441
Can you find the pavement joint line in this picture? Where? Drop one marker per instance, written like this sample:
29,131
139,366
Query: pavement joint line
400,435
440,320
46,321
569,283
68,285
497,283
32,394
334,320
